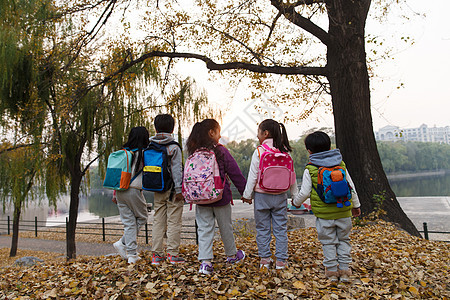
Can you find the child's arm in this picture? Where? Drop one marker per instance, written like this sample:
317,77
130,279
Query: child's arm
305,189
176,167
294,189
356,210
252,176
355,199
233,171
114,199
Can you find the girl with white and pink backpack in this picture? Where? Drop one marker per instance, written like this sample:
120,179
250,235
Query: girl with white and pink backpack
204,184
270,176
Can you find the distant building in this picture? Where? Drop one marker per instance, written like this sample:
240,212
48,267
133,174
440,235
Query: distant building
421,134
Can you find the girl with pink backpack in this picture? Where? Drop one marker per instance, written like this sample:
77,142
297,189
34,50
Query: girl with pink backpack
204,183
270,176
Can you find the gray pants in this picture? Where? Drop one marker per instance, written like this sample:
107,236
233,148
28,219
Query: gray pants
133,214
271,213
205,217
335,238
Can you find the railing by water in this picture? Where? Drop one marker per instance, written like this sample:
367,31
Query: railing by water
101,228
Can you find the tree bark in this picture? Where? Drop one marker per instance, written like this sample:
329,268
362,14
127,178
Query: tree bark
15,236
350,93
73,162
73,214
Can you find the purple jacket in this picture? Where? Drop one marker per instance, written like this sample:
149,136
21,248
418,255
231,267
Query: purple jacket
228,166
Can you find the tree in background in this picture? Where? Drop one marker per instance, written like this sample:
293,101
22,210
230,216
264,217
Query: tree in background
20,171
189,104
22,157
268,42
75,93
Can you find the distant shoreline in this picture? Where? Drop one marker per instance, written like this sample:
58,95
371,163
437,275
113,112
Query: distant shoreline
417,174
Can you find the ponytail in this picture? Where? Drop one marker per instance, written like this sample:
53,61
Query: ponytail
284,139
279,136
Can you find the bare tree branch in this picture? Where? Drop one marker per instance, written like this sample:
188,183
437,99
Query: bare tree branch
288,11
213,66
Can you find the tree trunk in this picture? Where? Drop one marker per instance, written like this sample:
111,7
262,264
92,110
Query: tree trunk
15,236
349,84
73,214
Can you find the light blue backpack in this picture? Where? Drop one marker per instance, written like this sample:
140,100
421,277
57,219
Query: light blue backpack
118,170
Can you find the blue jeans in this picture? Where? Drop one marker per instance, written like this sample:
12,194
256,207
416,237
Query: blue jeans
271,213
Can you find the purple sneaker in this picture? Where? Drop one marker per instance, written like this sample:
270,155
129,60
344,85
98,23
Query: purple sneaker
206,268
240,255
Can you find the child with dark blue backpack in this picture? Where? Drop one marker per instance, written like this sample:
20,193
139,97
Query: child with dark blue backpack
270,208
168,205
131,202
206,134
333,221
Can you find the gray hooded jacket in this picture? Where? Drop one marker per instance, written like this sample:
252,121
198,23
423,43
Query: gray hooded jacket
328,158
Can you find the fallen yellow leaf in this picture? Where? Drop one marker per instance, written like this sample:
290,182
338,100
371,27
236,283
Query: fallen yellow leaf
413,290
299,285
365,280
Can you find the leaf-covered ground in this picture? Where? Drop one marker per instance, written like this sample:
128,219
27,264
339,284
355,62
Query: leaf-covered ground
388,264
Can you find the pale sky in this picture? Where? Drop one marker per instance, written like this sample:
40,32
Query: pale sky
422,68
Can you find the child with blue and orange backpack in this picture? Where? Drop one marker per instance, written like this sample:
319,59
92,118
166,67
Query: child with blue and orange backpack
334,200
210,187
270,176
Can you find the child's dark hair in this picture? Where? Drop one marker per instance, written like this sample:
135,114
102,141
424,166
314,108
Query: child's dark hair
199,137
164,123
138,138
318,141
277,132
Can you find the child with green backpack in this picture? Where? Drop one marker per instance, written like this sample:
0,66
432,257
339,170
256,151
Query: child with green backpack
327,183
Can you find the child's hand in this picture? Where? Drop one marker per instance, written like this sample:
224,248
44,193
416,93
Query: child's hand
179,197
356,212
249,201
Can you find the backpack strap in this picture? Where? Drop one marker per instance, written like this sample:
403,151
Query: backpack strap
275,150
171,143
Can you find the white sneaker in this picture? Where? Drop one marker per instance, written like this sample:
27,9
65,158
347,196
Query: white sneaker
132,259
120,247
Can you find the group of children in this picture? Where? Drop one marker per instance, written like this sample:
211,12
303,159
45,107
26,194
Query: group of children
270,209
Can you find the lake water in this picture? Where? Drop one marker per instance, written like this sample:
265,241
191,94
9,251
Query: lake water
99,204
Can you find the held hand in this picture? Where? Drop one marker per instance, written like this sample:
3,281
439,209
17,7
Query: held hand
245,200
179,197
114,199
356,212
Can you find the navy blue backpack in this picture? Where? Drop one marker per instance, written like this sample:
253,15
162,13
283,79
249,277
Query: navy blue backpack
156,173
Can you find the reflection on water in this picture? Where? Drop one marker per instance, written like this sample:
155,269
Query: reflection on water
421,187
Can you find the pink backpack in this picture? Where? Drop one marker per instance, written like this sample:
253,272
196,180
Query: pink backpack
201,178
276,171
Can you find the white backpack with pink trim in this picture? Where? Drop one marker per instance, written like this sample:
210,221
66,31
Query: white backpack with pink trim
276,170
